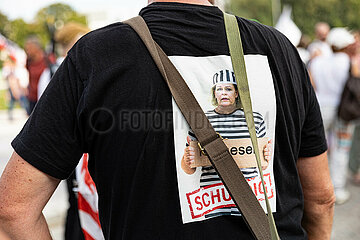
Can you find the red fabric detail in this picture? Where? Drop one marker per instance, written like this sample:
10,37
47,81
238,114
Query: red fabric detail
35,70
52,58
84,206
87,235
87,178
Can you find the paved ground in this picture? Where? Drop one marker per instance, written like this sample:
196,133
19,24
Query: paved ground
347,217
346,221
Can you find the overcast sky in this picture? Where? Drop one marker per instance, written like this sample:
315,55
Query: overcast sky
114,9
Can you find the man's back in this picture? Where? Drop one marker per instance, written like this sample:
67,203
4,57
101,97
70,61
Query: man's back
109,99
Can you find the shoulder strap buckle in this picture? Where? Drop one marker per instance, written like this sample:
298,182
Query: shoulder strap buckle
202,149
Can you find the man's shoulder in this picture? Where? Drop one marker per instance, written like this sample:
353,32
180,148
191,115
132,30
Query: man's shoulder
314,43
110,35
265,38
259,28
254,24
318,43
341,57
321,61
100,49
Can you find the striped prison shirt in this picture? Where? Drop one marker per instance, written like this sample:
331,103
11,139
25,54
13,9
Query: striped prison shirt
230,126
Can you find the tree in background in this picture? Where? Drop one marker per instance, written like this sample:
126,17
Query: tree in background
55,16
306,13
44,24
338,13
259,10
62,13
20,30
4,24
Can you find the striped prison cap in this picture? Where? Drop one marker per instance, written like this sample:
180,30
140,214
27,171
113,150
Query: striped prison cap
224,76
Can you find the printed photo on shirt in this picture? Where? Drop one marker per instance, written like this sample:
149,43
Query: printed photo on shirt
202,194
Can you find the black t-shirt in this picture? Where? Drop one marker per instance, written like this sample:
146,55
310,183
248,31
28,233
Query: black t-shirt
108,99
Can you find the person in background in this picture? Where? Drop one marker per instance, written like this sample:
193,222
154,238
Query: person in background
319,46
354,161
36,64
302,48
65,38
17,77
8,73
329,74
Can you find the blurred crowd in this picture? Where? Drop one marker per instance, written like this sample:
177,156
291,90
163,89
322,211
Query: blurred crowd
28,71
331,59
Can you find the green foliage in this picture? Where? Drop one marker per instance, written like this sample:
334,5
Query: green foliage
3,104
46,19
4,24
252,9
55,15
344,13
58,13
306,13
20,30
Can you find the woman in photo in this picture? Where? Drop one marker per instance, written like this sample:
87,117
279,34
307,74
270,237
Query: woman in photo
228,119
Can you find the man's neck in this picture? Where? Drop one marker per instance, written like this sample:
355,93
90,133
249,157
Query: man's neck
197,2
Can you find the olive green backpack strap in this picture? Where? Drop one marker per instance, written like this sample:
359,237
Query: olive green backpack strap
218,153
238,62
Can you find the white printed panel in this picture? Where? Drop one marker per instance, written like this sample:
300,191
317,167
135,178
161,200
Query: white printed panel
201,193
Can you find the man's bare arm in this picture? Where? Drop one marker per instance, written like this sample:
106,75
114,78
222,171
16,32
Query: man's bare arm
24,192
319,196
